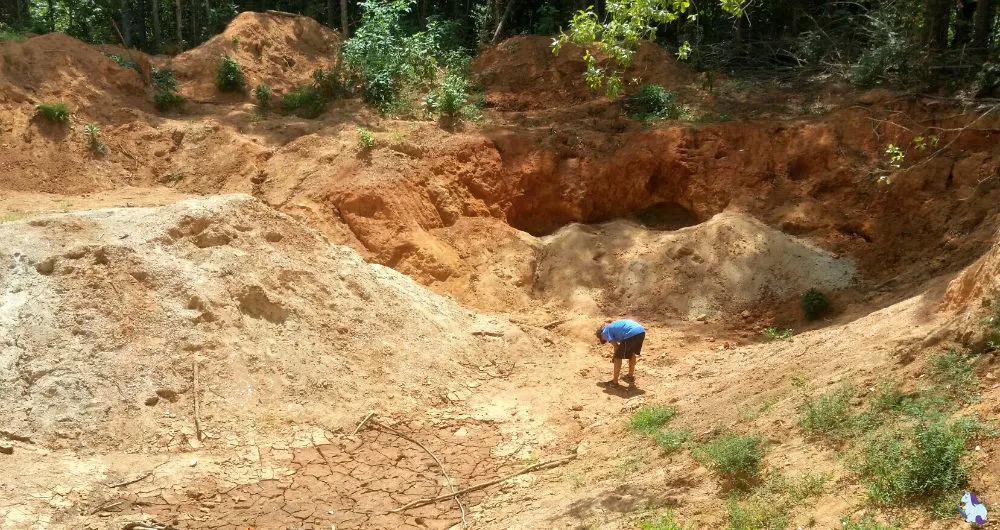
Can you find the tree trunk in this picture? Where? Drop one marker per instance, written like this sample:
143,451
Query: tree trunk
343,19
126,23
157,31
141,10
503,18
329,14
963,23
936,23
195,34
180,34
422,14
52,16
983,26
207,24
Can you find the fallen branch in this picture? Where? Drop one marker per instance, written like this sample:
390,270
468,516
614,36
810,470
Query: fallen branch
363,422
555,323
197,404
477,487
127,482
454,493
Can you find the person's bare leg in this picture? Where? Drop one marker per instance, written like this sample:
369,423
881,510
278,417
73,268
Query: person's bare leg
631,366
617,370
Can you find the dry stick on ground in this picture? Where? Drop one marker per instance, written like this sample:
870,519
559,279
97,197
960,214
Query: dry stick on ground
127,482
447,478
197,404
477,487
363,422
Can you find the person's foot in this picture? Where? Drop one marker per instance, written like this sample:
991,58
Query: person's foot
629,379
609,384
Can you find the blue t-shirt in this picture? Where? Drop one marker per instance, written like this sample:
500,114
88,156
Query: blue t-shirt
620,330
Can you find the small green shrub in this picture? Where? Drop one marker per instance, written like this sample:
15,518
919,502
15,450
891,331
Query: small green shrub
163,79
164,101
229,76
867,523
653,102
772,333
814,304
124,62
671,440
988,79
93,135
8,34
54,112
829,413
737,457
366,140
263,95
956,373
666,521
304,101
651,418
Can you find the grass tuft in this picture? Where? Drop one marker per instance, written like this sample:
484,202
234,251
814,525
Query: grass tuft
651,418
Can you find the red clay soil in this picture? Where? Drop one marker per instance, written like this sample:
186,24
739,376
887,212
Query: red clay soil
522,73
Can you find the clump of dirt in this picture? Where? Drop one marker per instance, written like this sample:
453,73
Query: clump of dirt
522,73
105,309
280,51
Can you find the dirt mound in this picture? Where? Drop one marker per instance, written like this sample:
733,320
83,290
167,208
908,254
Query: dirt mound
57,68
726,264
106,313
522,73
277,50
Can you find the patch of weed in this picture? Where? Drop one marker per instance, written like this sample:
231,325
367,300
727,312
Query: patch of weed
814,304
10,217
867,523
755,515
922,461
54,112
650,418
229,75
164,101
163,79
956,373
666,521
672,439
124,62
653,102
304,102
737,457
366,140
772,333
829,413
93,135
263,95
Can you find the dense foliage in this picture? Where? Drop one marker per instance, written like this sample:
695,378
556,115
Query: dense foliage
916,43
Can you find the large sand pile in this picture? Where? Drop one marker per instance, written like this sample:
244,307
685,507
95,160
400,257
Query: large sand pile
104,311
55,68
278,50
723,265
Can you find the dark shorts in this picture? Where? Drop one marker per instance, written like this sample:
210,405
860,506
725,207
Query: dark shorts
629,347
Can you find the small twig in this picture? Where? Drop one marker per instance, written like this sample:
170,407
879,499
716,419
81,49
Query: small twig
477,487
447,478
106,507
127,482
363,422
953,140
197,404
